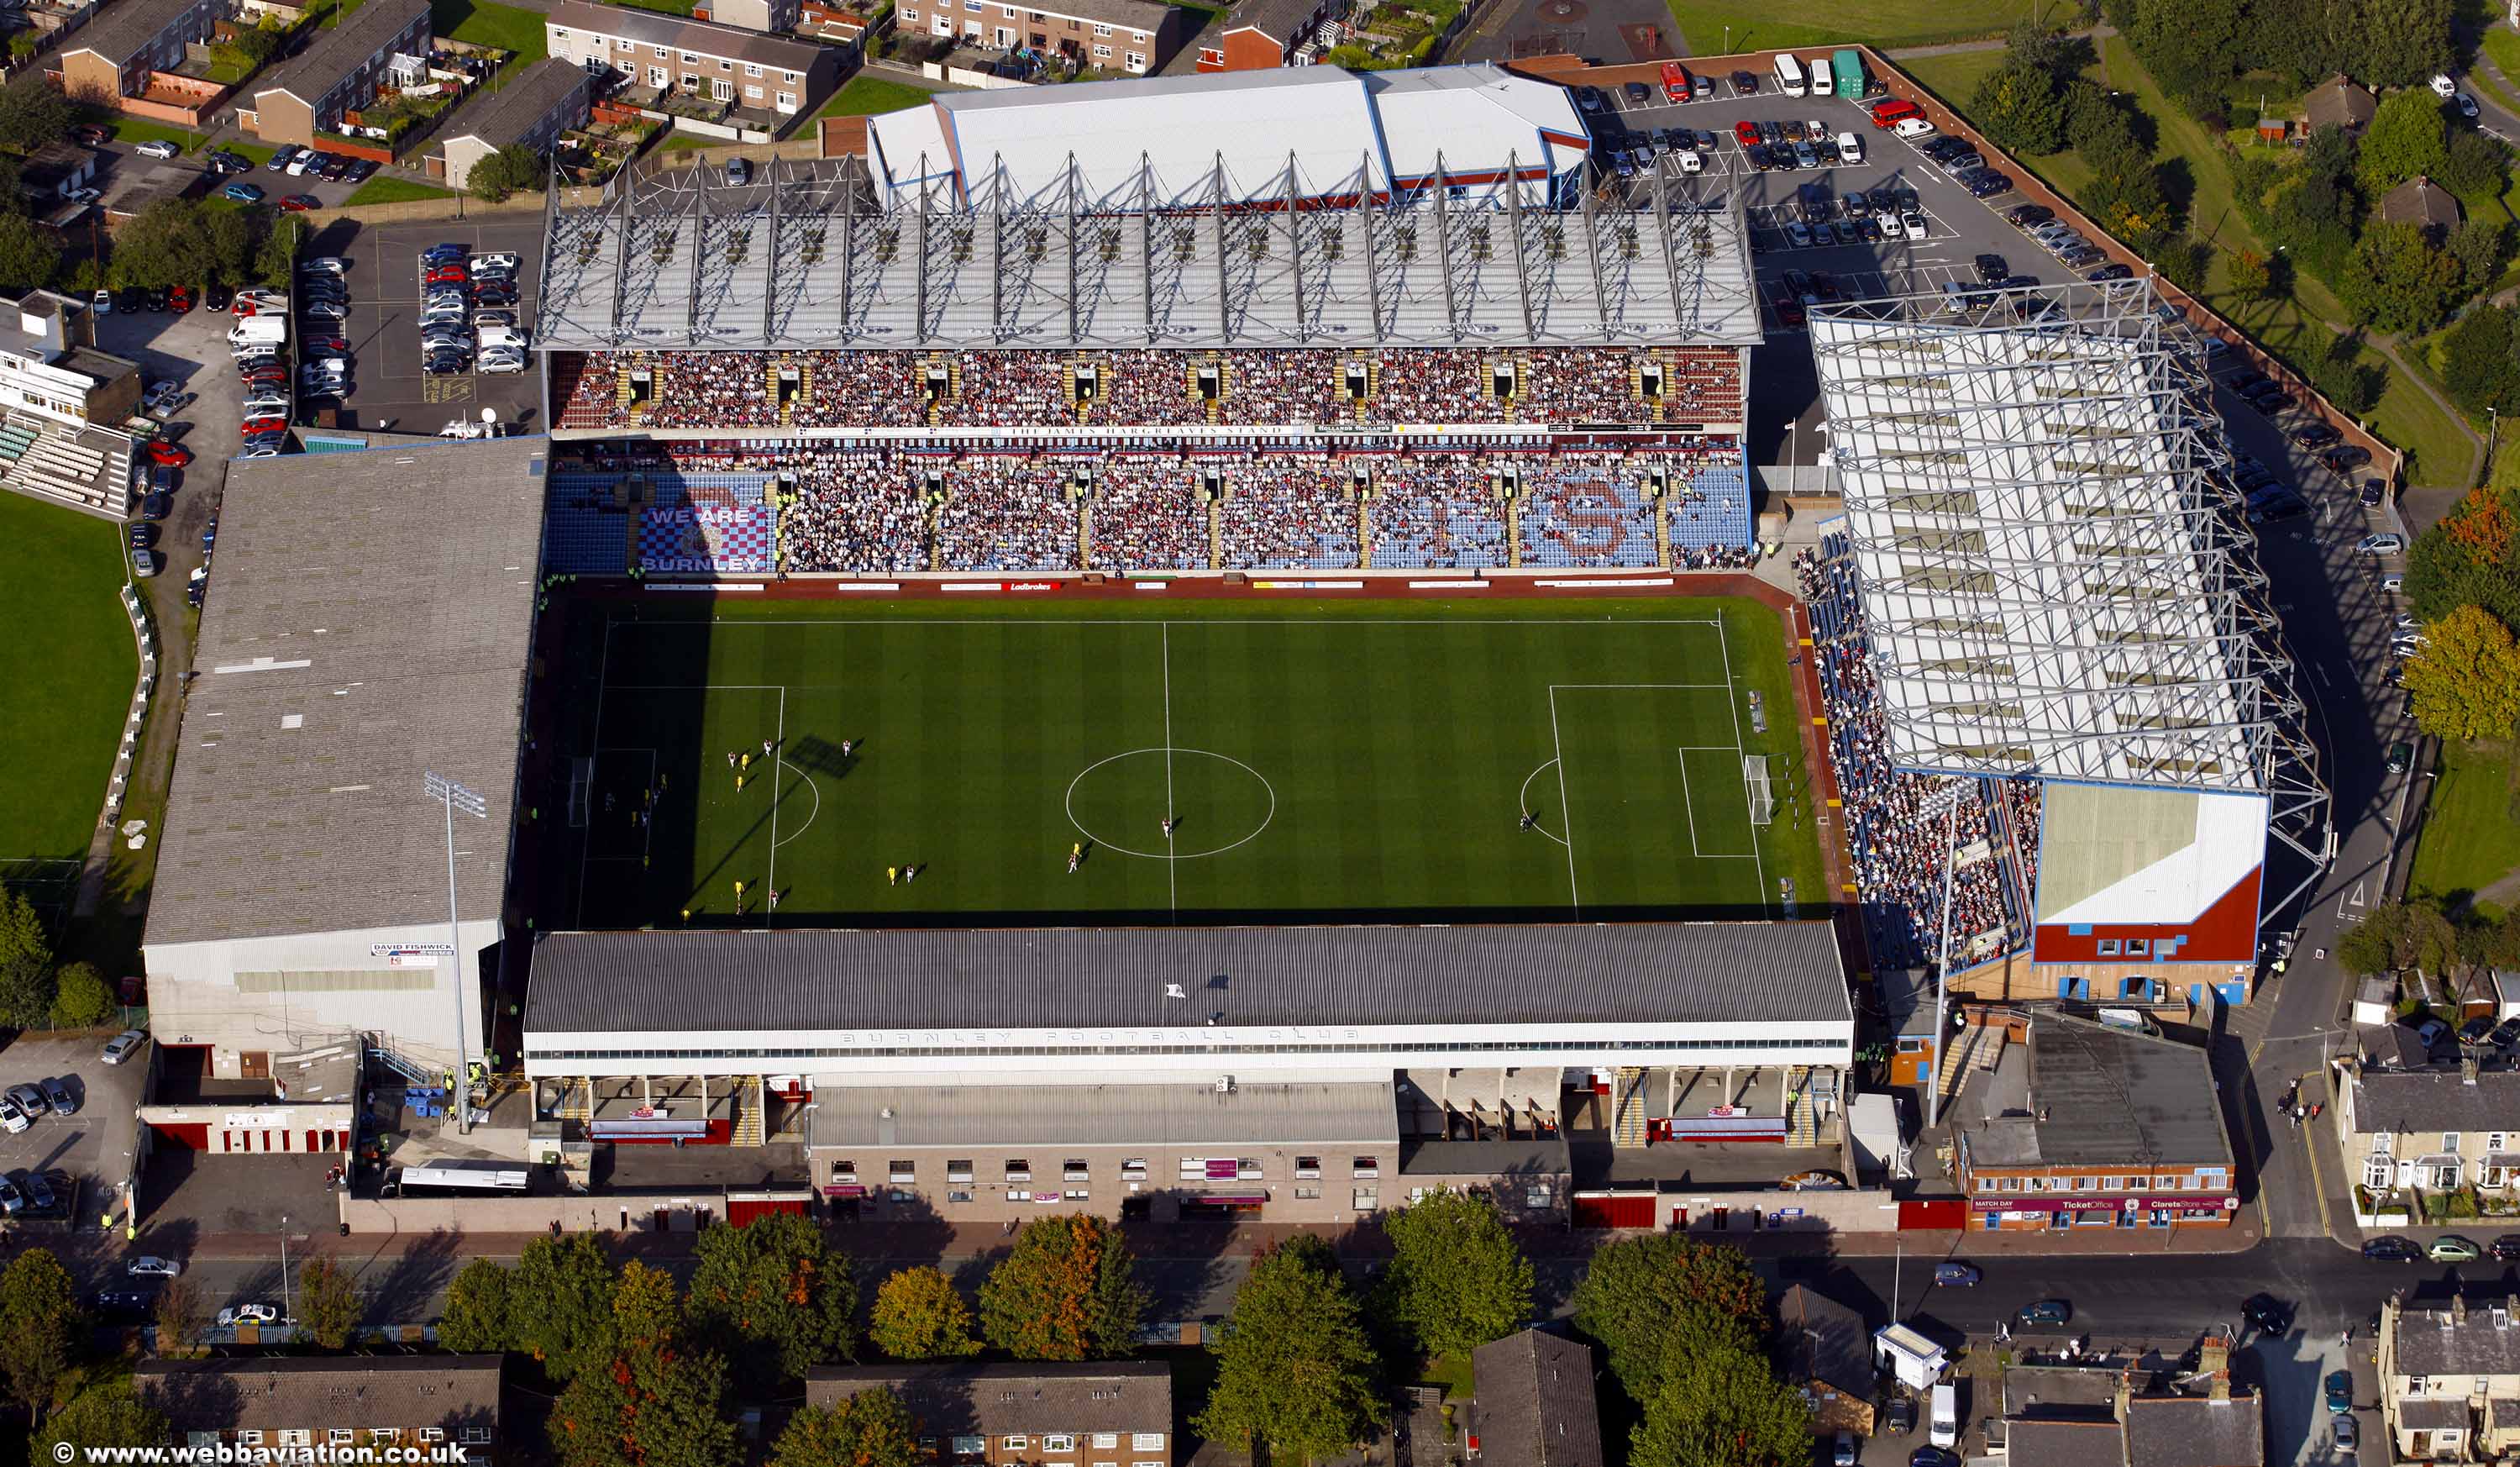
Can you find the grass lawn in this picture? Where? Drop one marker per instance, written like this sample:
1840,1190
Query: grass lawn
384,189
1883,22
259,153
1346,760
68,665
1954,78
2469,838
1453,1373
688,142
135,131
865,96
484,22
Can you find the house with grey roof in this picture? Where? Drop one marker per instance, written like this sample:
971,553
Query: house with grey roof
2450,1379
113,60
2076,1417
769,76
1536,1406
1828,1354
338,73
2433,1129
2339,103
1100,1411
370,624
2083,1124
533,109
2422,202
354,1403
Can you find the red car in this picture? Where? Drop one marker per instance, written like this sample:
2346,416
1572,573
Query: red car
1746,132
179,299
267,377
299,204
171,455
446,275
313,344
252,425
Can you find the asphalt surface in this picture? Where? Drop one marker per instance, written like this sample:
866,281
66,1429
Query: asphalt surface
390,391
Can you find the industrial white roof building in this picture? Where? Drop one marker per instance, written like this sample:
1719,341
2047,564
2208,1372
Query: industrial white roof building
1236,133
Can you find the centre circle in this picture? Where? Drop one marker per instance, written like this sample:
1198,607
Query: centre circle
1220,802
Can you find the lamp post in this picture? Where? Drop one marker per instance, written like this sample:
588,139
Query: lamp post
448,792
283,1265
1947,800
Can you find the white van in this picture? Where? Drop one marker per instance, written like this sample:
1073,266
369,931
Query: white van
1913,128
1849,148
1790,75
1943,1416
1821,85
1689,161
258,331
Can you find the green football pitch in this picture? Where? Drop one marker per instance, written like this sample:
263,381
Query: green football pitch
1317,761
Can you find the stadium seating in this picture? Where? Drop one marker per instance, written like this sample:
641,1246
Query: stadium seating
1437,512
1582,511
1289,514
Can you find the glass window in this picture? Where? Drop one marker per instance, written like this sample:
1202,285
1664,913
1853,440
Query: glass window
1074,1169
970,1446
1308,1166
844,1171
753,68
1101,29
2449,1140
1146,1440
787,101
1019,1171
1365,1167
1104,52
902,1169
2138,947
2108,947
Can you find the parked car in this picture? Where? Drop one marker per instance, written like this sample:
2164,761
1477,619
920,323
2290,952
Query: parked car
157,147
242,193
2451,1248
2046,1312
1956,1275
2028,215
2340,1391
1745,83
57,1094
126,1304
2316,435
738,171
2109,272
2386,544
2345,1435
126,1043
2466,107
248,1313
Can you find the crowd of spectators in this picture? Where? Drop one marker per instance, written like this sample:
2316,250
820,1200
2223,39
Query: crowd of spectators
1153,388
1899,853
1289,513
1149,514
2021,818
1587,509
853,510
1439,511
587,387
1006,513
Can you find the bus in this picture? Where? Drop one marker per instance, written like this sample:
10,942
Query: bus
1790,75
455,1178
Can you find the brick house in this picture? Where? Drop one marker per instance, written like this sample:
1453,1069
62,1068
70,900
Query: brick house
1104,1413
338,73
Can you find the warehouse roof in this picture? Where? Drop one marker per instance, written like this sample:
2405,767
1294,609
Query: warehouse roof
2099,1094
370,619
343,49
1659,974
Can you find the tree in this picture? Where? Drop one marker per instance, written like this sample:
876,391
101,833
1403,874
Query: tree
512,169
228,240
165,245
2395,43
2020,108
27,259
2477,361
475,1318
920,1315
1634,1290
1065,1293
2473,164
2343,377
328,1303
562,1300
775,1297
651,1401
2125,192
2479,245
2398,282
275,263
80,998
873,1428
2190,46
32,113
1718,1403
180,1317
110,1414
39,1317
2465,682
1456,1277
25,964
2371,945
2248,274
2406,139
1295,1370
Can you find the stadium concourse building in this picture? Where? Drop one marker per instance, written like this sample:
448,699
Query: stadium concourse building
1300,1074
2064,615
356,637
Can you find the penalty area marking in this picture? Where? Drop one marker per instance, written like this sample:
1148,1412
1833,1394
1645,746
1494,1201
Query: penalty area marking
1522,803
1069,804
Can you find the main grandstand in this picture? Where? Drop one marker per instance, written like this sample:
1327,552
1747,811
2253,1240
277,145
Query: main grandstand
2048,653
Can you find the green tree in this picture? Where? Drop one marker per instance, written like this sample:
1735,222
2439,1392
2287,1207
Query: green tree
872,1428
653,1400
259,44
2248,272
110,1414
562,1300
2371,945
920,1315
512,169
2020,108
2125,193
2473,164
2398,282
39,1317
80,998
328,1303
275,261
2343,377
1295,1370
2406,139
1457,1278
775,1297
1633,1292
32,113
165,245
25,964
179,1316
1065,1293
29,258
2465,682
2395,43
1718,1403
477,1318
2479,245
228,240
2478,363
